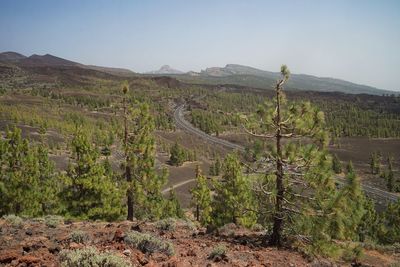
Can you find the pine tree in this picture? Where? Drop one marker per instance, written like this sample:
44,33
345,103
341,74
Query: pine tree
375,163
390,232
390,176
350,203
88,192
298,167
336,164
370,224
127,172
215,168
49,182
201,199
177,157
234,199
211,170
172,206
27,178
145,187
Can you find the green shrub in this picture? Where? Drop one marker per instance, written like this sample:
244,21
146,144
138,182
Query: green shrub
393,248
53,221
79,237
90,257
218,251
188,224
13,220
353,254
38,220
166,224
148,243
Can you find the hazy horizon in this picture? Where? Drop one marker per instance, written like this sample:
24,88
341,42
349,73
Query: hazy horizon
356,41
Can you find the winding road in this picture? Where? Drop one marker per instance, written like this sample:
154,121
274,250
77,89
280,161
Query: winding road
182,123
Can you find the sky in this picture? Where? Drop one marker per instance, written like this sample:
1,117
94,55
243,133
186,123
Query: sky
354,40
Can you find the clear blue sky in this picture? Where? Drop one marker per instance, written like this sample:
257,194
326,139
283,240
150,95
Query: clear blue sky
354,40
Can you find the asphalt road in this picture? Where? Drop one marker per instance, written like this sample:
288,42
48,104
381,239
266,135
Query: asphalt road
181,122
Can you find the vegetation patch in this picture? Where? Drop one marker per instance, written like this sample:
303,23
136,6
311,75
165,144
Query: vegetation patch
218,252
166,224
148,243
91,257
53,221
79,237
13,220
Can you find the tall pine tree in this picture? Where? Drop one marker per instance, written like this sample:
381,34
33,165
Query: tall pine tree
350,206
28,182
201,198
234,198
298,180
145,185
88,192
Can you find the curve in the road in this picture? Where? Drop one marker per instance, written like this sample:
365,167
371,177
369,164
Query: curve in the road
184,124
181,122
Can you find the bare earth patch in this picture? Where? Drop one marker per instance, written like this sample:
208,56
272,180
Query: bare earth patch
35,244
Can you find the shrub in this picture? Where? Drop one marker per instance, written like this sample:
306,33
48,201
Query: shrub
79,237
353,254
188,224
38,220
53,221
13,220
257,227
90,257
148,243
218,251
393,248
228,229
166,224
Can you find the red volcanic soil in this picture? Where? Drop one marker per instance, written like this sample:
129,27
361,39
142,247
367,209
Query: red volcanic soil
35,244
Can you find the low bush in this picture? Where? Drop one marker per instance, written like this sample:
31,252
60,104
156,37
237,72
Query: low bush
393,248
91,257
353,255
227,229
257,227
218,251
79,237
166,224
188,224
53,221
13,220
148,243
38,220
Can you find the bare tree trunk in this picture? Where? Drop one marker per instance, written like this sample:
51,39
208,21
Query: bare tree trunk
128,176
276,238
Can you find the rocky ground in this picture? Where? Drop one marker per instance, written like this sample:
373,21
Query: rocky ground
40,242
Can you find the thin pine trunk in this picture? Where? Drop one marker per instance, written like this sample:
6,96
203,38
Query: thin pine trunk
128,176
276,238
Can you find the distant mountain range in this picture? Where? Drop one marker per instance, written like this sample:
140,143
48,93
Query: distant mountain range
247,76
166,69
231,74
50,60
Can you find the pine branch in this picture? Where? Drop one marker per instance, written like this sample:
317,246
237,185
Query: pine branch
258,135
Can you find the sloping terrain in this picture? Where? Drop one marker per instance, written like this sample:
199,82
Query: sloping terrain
40,242
252,77
53,61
